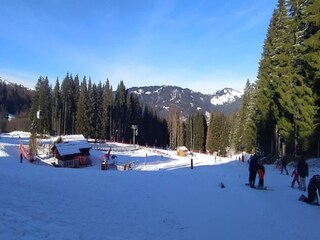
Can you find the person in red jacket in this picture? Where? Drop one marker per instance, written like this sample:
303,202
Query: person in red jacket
261,172
295,176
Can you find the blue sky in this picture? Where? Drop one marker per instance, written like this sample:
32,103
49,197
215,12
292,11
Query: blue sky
202,45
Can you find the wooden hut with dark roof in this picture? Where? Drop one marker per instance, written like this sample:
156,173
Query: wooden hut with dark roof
72,151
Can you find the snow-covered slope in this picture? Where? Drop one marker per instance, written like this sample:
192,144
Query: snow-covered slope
38,202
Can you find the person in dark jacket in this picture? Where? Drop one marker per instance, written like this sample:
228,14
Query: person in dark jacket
253,168
303,170
284,163
313,186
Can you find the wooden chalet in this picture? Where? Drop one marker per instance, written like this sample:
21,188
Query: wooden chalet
72,151
182,151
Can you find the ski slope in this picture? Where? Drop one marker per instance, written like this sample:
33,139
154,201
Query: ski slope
162,198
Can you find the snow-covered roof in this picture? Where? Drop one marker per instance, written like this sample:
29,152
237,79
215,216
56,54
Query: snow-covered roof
68,138
182,148
70,148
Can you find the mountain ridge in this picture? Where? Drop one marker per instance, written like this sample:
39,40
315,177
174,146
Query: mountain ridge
163,97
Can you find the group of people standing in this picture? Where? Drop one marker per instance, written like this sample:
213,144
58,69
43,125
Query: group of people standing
300,173
256,166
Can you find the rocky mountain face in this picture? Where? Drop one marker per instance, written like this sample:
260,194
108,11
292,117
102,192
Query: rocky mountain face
161,98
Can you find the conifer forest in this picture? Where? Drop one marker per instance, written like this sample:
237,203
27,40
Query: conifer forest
279,114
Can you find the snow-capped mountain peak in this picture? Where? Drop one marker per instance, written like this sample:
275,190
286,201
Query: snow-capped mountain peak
161,98
226,95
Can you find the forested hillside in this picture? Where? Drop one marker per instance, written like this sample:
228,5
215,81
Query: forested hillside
280,113
95,111
16,100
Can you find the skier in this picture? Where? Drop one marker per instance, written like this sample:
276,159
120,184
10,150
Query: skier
313,186
295,176
253,167
261,172
284,164
303,170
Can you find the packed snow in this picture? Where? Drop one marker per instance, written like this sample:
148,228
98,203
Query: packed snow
161,198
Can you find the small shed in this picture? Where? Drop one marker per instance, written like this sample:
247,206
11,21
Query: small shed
74,153
182,151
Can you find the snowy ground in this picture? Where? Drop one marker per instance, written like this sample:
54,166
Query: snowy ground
161,199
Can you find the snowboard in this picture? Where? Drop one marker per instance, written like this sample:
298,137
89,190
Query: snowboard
264,188
260,188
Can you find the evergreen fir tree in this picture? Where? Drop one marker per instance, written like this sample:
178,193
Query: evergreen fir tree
247,119
92,109
273,81
200,131
66,97
82,116
311,21
146,127
108,131
99,128
120,110
41,103
174,123
75,91
56,109
134,115
210,135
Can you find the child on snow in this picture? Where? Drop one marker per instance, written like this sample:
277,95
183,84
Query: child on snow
261,172
295,176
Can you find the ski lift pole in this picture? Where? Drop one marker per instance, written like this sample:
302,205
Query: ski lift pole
134,133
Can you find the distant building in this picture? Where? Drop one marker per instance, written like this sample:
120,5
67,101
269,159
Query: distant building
182,151
72,151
